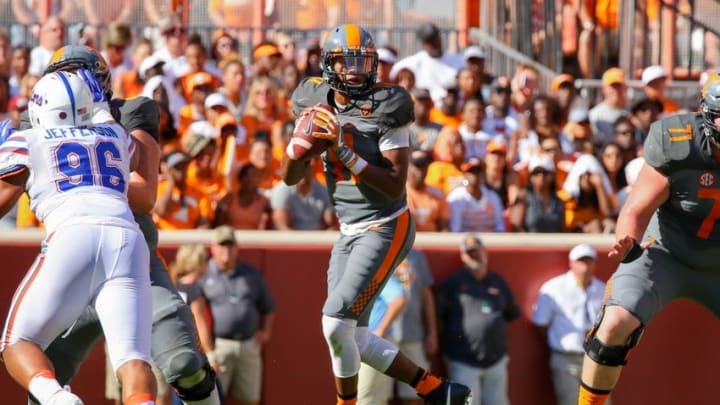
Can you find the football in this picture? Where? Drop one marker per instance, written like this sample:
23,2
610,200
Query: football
302,144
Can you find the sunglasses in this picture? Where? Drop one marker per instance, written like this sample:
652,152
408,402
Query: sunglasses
175,31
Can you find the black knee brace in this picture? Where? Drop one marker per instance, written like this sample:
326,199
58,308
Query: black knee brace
610,355
199,391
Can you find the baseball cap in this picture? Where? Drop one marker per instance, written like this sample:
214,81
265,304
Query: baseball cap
175,158
473,51
653,72
427,31
216,100
496,145
582,251
199,79
544,162
561,79
266,49
470,242
385,55
612,76
225,119
224,234
472,165
149,63
196,143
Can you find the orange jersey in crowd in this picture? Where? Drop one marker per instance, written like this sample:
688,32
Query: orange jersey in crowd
184,216
213,187
444,176
427,209
441,118
131,84
253,216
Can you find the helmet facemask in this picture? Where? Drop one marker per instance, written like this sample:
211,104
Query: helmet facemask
351,72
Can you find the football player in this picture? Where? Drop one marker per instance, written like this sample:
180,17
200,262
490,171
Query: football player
175,348
76,174
365,170
667,240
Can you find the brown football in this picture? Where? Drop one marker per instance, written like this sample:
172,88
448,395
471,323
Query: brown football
303,145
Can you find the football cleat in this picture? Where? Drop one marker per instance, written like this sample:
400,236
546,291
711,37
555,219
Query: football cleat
64,397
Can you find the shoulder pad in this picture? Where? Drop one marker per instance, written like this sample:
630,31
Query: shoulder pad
394,106
672,139
310,91
137,113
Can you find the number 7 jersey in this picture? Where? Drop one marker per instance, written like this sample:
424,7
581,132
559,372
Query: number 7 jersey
687,222
78,173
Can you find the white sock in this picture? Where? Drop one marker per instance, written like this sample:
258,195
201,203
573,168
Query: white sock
43,387
213,399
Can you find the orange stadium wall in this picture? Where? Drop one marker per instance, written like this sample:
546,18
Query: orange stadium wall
676,363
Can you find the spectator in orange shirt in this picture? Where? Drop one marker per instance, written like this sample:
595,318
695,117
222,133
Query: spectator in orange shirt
655,80
267,60
264,107
448,113
499,175
196,56
448,155
202,173
129,84
200,85
245,208
260,156
427,204
179,206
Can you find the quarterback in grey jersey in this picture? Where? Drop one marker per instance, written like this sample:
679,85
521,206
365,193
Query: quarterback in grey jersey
667,240
365,168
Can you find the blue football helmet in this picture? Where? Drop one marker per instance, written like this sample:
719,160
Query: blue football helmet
349,59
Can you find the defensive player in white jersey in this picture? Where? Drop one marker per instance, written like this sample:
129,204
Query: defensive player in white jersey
76,175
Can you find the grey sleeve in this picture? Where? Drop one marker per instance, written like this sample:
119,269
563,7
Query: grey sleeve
653,149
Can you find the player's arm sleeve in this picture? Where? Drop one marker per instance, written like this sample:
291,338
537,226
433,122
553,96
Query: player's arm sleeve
395,138
654,150
308,93
13,155
145,116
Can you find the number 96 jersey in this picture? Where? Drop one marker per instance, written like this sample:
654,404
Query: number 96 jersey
75,172
687,223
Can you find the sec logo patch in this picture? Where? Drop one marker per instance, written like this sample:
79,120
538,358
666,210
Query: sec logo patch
706,179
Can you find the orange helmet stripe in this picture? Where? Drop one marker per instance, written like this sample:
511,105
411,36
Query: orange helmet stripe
352,36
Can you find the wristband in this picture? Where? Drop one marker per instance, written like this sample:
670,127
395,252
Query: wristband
351,160
632,254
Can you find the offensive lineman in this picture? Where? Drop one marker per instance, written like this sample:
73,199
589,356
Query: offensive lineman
77,175
365,171
667,240
175,348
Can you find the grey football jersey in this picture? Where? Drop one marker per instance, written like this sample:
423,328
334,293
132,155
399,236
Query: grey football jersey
364,121
677,147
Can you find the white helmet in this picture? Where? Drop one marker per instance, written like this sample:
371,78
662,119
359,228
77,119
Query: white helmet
61,99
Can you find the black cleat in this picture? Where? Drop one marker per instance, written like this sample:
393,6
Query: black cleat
448,393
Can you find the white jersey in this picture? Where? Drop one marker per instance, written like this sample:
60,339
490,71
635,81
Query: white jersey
78,173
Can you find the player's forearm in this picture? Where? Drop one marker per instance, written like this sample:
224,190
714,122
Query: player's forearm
394,309
142,190
633,221
293,170
384,180
9,194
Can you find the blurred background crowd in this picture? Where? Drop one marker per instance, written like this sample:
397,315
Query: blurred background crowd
529,116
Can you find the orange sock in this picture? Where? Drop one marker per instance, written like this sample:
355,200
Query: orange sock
591,396
427,383
346,400
140,398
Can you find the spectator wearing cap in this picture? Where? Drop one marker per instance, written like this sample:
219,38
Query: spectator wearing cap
448,155
266,60
179,206
387,57
130,84
625,137
474,138
614,104
215,105
304,206
579,131
426,203
500,116
565,310
589,197
642,114
243,311
538,207
473,206
654,79
199,85
474,306
424,131
448,112
115,41
202,172
434,69
500,177
196,57
474,57
564,91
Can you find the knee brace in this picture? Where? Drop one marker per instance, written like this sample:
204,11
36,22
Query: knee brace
375,351
611,356
340,337
196,387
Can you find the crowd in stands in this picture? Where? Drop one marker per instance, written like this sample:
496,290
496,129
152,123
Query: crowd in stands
491,153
